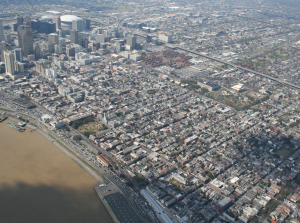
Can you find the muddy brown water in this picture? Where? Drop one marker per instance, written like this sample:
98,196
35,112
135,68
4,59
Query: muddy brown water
39,183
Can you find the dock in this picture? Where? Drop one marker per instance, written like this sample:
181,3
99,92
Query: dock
14,126
116,204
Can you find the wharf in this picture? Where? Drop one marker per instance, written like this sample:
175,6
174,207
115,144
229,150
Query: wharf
117,205
14,126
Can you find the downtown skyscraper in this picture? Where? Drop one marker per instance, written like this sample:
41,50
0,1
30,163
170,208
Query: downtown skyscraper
1,31
25,39
57,21
74,36
9,59
18,54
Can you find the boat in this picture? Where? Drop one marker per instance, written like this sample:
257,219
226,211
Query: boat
14,126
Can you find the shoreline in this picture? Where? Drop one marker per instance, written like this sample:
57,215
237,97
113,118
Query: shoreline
77,160
70,152
81,164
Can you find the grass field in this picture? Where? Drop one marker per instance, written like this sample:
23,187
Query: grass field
91,126
284,153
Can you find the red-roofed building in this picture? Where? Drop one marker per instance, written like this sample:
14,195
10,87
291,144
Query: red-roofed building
103,161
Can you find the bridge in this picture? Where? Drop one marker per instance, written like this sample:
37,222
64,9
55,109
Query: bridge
233,65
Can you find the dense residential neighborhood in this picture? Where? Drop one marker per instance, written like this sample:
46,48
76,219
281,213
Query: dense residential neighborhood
160,96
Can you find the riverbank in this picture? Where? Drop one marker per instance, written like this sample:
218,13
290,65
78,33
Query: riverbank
72,153
87,169
39,184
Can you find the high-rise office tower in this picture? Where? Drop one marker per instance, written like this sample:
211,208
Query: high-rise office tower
7,38
1,31
114,34
49,46
62,42
51,27
27,21
74,36
57,21
144,46
78,25
57,49
9,59
70,51
18,54
118,47
19,21
37,51
15,27
53,37
131,41
25,39
83,42
3,47
87,24
100,38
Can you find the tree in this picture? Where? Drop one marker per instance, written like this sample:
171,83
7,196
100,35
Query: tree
88,133
77,138
66,128
204,90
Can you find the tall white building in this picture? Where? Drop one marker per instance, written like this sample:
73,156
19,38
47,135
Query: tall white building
78,25
57,21
9,59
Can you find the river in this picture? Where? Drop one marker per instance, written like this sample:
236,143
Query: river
38,183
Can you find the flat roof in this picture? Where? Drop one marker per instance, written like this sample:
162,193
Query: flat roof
121,208
23,103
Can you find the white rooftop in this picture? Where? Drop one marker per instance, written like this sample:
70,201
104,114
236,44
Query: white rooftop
69,18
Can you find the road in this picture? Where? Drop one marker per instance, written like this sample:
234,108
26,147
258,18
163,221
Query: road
131,195
56,139
230,64
158,209
104,172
